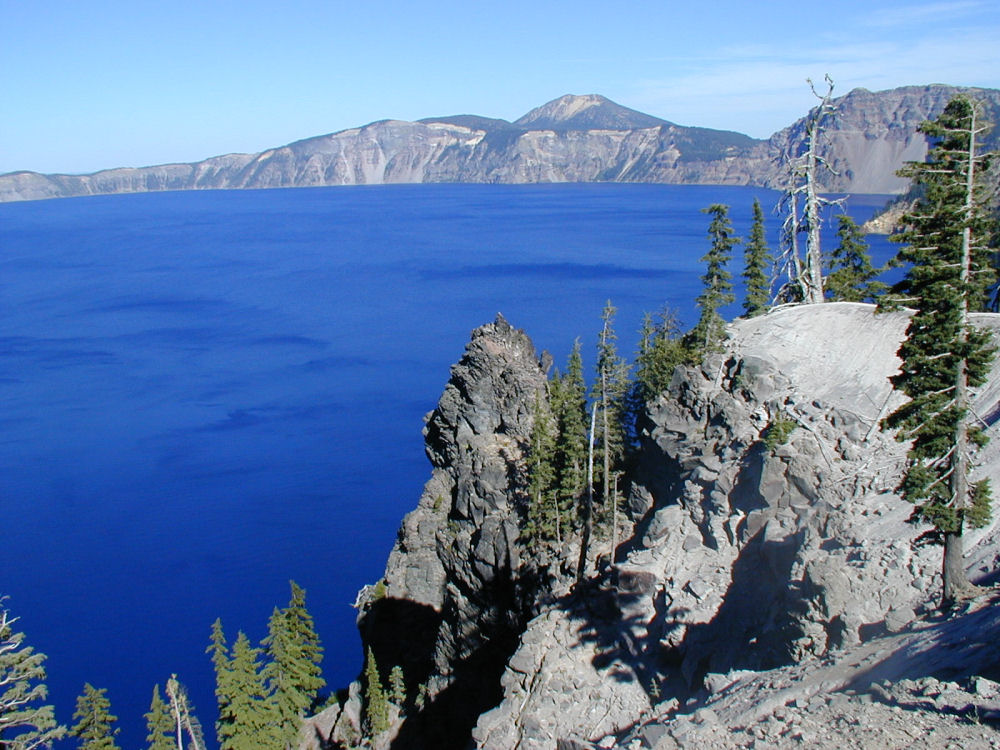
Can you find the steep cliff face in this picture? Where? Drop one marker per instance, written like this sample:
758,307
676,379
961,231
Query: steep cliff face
745,554
873,134
571,139
457,589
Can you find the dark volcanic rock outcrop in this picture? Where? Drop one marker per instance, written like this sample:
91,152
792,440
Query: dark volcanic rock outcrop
455,596
571,139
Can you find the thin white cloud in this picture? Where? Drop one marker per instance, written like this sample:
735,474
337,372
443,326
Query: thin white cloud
759,90
909,14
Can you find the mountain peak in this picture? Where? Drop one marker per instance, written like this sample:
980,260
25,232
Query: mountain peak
587,112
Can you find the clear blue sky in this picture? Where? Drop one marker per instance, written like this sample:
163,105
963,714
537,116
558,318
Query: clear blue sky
90,84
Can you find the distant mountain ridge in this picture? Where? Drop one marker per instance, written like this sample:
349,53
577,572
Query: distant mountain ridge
591,112
573,138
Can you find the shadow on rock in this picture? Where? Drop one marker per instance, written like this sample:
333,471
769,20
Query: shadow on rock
402,633
446,723
754,627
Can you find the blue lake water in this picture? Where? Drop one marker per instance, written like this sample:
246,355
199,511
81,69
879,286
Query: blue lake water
206,394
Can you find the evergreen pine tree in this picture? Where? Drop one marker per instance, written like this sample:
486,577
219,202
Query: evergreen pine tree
159,724
609,392
93,720
223,682
543,513
661,350
303,630
569,406
25,722
397,686
851,276
281,676
253,721
943,356
376,707
707,334
756,266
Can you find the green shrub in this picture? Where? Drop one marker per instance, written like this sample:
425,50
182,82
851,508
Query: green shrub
778,432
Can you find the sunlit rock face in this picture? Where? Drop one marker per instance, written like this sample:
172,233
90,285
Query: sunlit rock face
753,570
745,556
571,139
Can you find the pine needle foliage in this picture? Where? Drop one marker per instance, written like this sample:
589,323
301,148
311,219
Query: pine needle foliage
851,277
223,682
757,263
94,719
282,675
543,512
397,686
661,350
264,693
557,454
376,705
26,722
291,671
717,292
609,390
943,356
569,406
252,716
159,724
303,629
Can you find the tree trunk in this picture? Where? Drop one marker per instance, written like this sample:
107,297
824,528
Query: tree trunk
796,273
956,583
813,287
614,518
558,512
581,567
604,436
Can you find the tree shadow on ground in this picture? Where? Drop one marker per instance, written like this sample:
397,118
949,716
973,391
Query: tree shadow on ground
753,628
963,643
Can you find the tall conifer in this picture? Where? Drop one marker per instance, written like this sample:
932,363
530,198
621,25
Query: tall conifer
302,628
223,682
94,719
159,724
608,392
851,276
543,513
569,405
943,356
707,334
282,674
291,672
757,264
376,709
254,720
